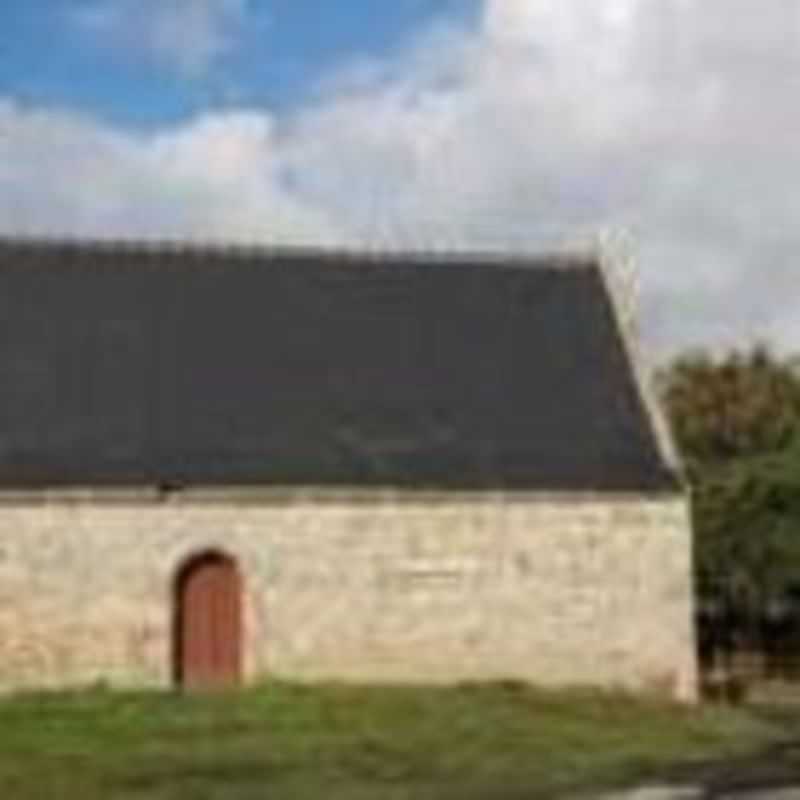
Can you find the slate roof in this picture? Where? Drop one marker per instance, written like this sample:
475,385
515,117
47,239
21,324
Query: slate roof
127,365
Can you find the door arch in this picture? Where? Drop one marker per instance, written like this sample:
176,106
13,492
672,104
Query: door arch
207,636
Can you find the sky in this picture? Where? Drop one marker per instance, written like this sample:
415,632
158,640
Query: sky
667,127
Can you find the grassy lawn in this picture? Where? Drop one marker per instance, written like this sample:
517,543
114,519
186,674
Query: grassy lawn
287,741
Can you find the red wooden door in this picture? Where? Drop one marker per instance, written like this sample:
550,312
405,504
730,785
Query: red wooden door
209,624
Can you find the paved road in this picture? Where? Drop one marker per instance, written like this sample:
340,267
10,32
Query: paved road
693,792
771,775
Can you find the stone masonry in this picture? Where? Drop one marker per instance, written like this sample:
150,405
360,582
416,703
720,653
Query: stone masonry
387,586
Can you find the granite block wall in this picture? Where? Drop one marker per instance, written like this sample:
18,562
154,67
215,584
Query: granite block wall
386,586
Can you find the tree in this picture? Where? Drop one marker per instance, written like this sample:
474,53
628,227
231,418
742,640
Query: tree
737,423
747,524
741,405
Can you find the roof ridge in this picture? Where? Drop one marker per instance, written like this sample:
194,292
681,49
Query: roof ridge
571,255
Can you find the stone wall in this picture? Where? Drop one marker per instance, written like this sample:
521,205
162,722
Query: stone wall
389,587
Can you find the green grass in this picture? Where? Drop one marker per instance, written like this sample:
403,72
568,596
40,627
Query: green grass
337,742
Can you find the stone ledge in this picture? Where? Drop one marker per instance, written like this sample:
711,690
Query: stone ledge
155,495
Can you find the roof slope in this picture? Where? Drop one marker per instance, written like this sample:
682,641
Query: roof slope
128,365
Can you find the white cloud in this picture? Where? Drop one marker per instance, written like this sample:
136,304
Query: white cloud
541,20
187,35
216,177
675,118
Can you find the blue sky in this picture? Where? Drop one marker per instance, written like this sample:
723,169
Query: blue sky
470,124
51,53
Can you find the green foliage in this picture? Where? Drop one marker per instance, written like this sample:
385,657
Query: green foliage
738,406
747,523
737,423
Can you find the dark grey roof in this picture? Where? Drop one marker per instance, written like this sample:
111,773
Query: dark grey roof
131,365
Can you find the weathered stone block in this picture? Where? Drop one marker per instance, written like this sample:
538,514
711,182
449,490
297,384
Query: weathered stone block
393,586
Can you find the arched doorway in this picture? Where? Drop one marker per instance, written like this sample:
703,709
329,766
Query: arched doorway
208,623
